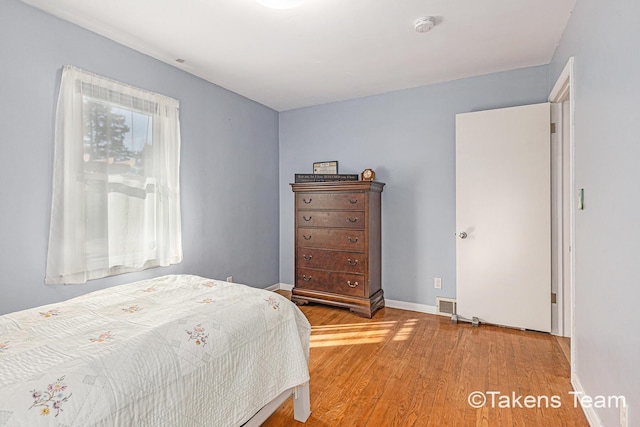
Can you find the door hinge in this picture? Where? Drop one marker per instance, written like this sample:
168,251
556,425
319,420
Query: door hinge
553,128
554,298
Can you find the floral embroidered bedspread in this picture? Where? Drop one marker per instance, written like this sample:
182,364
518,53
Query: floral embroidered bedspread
172,351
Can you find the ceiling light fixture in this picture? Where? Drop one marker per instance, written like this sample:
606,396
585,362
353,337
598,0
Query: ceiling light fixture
280,4
424,24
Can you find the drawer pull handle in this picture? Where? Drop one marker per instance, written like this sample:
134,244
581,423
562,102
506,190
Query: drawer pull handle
353,201
306,238
352,285
352,220
305,278
306,219
305,200
307,257
352,239
352,262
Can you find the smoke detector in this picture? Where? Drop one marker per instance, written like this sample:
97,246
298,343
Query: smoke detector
424,24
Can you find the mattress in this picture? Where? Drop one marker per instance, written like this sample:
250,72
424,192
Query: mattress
176,350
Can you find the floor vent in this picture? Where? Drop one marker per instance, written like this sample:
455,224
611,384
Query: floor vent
445,306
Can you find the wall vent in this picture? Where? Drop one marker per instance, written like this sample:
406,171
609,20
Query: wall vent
445,306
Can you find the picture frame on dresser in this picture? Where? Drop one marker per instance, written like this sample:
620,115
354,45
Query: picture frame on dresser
325,168
337,234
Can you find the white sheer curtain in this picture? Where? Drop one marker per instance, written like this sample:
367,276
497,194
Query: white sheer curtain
116,192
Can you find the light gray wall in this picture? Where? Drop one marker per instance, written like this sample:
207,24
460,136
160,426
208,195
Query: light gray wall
229,160
408,138
607,154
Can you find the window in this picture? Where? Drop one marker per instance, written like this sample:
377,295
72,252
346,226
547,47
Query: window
116,198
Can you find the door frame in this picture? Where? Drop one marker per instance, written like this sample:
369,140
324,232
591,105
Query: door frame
563,91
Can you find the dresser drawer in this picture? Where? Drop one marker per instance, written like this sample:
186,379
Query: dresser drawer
335,219
328,281
349,201
330,238
350,262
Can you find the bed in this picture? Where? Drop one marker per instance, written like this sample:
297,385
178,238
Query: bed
176,350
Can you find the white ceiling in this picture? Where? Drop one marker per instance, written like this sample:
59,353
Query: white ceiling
327,50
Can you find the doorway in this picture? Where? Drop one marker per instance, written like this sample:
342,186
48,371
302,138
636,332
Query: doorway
561,219
563,206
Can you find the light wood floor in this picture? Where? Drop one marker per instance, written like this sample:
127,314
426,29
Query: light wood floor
403,368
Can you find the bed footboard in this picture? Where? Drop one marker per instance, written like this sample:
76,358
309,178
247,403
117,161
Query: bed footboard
301,406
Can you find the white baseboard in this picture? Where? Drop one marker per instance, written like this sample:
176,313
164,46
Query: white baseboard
280,286
285,287
590,412
273,287
410,306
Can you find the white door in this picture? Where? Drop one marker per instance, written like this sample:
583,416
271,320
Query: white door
503,216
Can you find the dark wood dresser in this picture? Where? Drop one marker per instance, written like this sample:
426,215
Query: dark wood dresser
338,245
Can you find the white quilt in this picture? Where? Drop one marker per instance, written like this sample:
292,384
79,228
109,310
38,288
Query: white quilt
172,351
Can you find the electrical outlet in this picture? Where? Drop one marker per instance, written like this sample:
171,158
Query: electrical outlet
437,283
230,279
624,415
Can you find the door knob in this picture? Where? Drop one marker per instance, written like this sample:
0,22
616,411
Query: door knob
462,235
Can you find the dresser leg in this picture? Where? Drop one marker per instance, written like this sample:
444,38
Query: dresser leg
376,303
298,301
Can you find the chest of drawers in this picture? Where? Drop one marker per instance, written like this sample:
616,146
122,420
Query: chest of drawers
338,245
